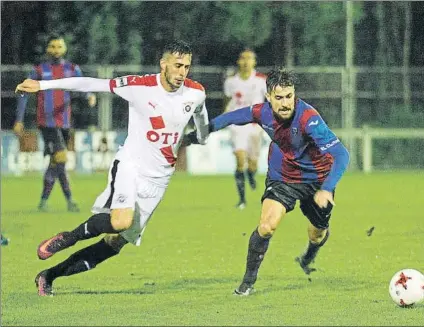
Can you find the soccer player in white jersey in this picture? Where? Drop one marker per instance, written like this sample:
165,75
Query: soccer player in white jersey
245,88
160,106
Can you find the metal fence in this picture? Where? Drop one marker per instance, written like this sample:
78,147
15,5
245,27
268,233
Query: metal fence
346,98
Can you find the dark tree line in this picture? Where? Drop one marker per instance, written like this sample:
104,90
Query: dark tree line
296,33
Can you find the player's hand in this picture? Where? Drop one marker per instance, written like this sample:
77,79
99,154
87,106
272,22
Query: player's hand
189,139
29,85
322,198
92,100
18,128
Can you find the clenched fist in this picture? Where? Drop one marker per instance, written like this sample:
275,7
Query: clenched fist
322,198
29,85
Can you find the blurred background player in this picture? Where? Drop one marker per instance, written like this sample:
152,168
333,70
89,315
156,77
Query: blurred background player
53,118
245,88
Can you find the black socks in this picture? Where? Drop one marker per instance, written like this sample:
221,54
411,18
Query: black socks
256,252
239,176
97,224
312,250
82,260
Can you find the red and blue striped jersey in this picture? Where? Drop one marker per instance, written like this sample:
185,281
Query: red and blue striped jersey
53,106
302,150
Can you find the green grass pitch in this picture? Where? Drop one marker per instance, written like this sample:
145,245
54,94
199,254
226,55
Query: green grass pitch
193,256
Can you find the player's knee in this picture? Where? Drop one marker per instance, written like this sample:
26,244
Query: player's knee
271,215
115,241
266,229
240,160
60,157
252,165
267,226
122,219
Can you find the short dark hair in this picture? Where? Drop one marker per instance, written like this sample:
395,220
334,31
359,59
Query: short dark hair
54,36
177,46
280,76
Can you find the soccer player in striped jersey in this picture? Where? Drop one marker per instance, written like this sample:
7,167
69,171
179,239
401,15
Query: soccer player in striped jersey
306,161
53,118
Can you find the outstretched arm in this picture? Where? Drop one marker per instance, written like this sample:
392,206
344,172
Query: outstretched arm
241,116
79,84
91,97
22,103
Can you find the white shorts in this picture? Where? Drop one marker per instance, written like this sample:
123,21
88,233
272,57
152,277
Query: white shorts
127,189
247,138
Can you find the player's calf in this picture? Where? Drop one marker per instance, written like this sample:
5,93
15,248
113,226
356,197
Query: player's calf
101,223
271,215
258,245
81,261
240,178
252,167
59,159
312,250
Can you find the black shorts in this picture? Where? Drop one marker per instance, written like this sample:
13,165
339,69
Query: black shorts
55,139
288,193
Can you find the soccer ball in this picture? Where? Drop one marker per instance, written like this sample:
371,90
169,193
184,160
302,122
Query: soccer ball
407,287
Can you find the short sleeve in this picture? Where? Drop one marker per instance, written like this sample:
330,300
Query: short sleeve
227,88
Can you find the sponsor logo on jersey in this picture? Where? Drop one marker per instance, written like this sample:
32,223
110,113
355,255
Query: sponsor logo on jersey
187,106
329,145
121,81
121,198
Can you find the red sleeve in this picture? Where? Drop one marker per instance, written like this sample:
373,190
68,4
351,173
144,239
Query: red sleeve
308,113
132,80
112,85
256,112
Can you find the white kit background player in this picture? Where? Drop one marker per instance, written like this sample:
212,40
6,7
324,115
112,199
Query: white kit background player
160,107
247,87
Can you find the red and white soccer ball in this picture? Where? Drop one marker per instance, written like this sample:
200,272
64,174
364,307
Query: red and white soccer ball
407,287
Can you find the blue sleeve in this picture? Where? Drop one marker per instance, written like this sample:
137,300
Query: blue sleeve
340,162
23,98
77,71
241,116
328,142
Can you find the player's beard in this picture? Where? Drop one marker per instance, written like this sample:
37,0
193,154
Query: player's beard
54,58
170,81
287,114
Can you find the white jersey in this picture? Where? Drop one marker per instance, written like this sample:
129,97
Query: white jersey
139,175
244,93
157,120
